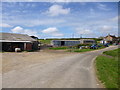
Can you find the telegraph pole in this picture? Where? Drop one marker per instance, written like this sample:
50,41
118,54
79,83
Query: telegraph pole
80,35
73,35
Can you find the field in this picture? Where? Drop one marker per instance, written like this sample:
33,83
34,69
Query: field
45,41
107,68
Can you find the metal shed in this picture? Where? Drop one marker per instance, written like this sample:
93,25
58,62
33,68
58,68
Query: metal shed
87,41
71,42
65,42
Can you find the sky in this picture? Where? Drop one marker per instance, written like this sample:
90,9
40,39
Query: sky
60,19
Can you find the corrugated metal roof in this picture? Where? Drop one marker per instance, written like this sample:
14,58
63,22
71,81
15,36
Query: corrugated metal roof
15,37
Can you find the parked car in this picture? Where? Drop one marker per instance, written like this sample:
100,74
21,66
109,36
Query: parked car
99,45
49,45
82,47
106,45
115,44
94,46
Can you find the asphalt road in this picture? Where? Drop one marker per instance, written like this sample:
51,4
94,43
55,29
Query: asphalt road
76,71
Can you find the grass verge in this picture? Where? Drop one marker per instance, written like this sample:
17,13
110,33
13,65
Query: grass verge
80,50
107,68
73,49
58,48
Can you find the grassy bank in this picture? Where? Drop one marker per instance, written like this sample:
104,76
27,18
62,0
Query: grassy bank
114,53
107,68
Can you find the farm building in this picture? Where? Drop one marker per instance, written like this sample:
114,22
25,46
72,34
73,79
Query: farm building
10,41
110,39
103,41
71,42
64,42
87,41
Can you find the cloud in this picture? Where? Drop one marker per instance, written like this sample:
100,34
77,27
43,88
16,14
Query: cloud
103,7
83,3
22,4
92,11
60,1
116,18
31,22
53,31
18,0
21,30
56,10
38,22
83,31
5,25
17,29
50,30
106,28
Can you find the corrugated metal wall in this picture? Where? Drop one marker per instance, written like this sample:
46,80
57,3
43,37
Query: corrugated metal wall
66,43
71,43
28,46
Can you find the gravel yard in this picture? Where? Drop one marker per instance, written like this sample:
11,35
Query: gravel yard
15,61
50,69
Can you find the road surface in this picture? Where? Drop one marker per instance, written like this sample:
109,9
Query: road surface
75,71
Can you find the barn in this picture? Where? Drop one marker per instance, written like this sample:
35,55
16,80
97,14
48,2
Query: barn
87,41
10,41
71,42
65,42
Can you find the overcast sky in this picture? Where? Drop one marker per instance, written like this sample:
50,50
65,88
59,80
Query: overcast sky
56,19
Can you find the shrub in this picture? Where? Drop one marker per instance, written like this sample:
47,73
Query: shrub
83,45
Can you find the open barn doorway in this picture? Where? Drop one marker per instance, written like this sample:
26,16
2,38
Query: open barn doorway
62,43
10,46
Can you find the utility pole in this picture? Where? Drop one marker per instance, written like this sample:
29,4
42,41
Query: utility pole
80,35
73,35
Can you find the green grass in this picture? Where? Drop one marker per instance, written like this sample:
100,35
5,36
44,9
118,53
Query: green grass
113,53
83,50
58,48
45,41
107,69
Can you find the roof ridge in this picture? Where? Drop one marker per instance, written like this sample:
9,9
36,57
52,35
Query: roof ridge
16,37
12,33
